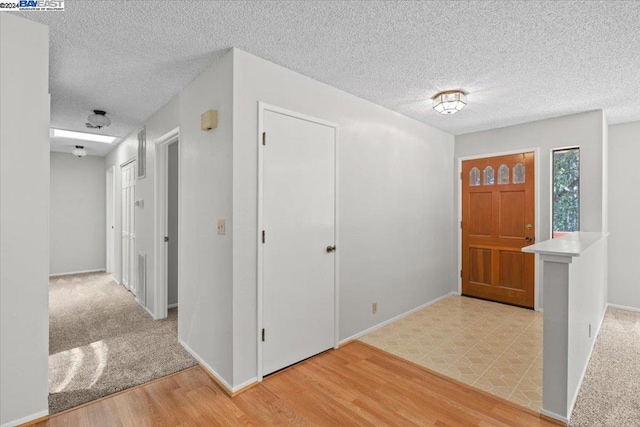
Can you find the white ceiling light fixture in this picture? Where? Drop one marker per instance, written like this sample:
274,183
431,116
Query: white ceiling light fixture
98,120
60,133
79,151
449,102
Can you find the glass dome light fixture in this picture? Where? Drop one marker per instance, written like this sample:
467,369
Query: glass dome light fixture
79,151
449,102
98,120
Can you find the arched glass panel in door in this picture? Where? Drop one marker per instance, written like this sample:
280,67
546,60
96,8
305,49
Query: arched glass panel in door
489,176
503,174
474,177
518,174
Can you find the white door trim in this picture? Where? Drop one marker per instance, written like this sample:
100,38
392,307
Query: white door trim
161,222
128,286
536,191
262,107
110,218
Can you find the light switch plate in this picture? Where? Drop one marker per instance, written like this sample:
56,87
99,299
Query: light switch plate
221,227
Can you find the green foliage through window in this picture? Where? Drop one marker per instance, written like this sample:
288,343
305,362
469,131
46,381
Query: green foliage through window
566,190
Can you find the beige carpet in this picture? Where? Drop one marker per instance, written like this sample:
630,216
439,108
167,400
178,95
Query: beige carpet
102,341
610,392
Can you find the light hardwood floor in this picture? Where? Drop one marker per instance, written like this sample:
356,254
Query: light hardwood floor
355,385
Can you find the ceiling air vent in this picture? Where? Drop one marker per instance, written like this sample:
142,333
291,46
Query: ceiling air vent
142,153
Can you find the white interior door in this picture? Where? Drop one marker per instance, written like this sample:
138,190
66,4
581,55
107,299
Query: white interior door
110,215
128,225
298,285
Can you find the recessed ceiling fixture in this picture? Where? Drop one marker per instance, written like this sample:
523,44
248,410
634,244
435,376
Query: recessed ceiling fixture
79,151
449,102
98,120
59,133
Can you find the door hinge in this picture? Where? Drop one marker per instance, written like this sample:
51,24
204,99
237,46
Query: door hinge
264,138
166,238
461,274
460,224
263,335
264,236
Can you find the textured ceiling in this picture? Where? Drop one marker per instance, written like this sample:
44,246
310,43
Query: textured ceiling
519,61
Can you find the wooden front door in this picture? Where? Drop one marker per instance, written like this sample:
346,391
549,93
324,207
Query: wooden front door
498,215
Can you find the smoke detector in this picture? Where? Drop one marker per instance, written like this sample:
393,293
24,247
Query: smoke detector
98,120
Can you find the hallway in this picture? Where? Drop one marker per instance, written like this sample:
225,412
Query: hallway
102,341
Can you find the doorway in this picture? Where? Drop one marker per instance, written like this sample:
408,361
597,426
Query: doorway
167,224
297,265
173,189
128,225
498,220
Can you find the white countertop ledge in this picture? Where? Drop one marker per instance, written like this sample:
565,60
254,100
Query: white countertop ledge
570,245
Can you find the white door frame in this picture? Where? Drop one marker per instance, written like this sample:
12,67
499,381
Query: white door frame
262,107
161,230
129,285
536,192
110,218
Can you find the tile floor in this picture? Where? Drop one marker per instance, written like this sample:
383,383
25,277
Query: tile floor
494,347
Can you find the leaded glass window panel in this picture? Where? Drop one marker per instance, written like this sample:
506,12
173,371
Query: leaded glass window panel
503,174
518,174
474,177
489,176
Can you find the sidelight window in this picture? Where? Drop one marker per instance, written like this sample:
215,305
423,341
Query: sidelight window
566,191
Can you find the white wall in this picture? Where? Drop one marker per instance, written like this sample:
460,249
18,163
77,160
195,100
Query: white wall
395,196
205,271
163,121
587,304
576,290
24,219
77,213
586,130
624,205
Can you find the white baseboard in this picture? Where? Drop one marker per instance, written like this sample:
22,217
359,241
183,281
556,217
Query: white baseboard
554,416
26,419
624,307
245,384
69,273
395,319
172,305
146,309
207,367
586,365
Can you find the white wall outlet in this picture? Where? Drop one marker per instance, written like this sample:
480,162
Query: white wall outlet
374,307
222,229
